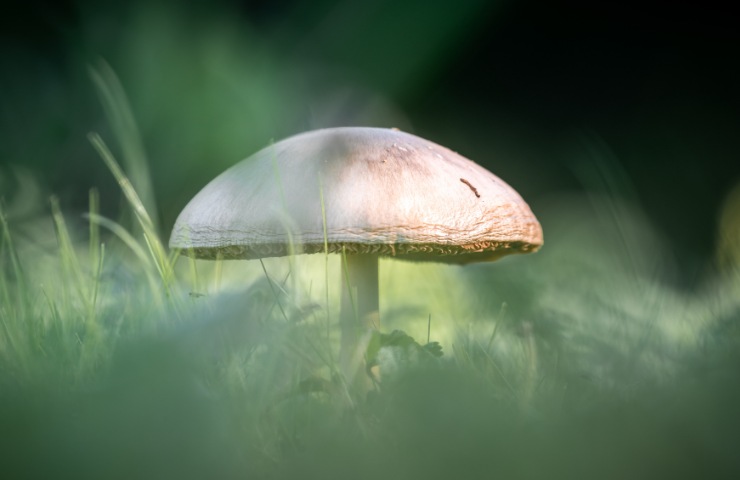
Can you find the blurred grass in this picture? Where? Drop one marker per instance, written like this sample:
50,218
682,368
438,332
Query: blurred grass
231,387
119,361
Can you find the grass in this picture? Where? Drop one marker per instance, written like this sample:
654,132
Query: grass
119,360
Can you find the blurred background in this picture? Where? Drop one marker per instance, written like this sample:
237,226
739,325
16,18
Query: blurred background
537,91
611,353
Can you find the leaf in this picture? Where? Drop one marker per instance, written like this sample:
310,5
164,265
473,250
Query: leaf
402,341
433,348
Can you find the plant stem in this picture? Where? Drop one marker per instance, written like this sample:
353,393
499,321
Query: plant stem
359,315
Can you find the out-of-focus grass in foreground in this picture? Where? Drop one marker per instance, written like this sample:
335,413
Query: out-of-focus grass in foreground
117,360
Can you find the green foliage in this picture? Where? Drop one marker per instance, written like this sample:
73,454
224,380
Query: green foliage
400,346
119,360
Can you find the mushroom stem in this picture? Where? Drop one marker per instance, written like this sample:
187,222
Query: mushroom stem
358,312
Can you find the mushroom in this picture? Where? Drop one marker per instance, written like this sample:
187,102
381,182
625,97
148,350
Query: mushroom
364,193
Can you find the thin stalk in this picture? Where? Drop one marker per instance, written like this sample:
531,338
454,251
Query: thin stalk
274,292
359,312
218,272
119,114
326,260
96,253
67,253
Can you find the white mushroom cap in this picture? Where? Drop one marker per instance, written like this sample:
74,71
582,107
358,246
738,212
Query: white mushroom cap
384,191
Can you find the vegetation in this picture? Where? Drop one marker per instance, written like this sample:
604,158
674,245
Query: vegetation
120,360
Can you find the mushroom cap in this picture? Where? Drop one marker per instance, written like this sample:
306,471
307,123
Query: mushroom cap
384,192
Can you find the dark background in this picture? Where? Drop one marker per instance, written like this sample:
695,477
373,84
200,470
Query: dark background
532,90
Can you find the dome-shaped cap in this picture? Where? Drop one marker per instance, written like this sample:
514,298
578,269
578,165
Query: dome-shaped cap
384,191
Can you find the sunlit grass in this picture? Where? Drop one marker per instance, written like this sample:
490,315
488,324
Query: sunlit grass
119,358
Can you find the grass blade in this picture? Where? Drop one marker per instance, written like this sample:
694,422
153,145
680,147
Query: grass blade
117,110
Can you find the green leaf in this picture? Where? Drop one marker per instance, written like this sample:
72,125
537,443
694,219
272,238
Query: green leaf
401,340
